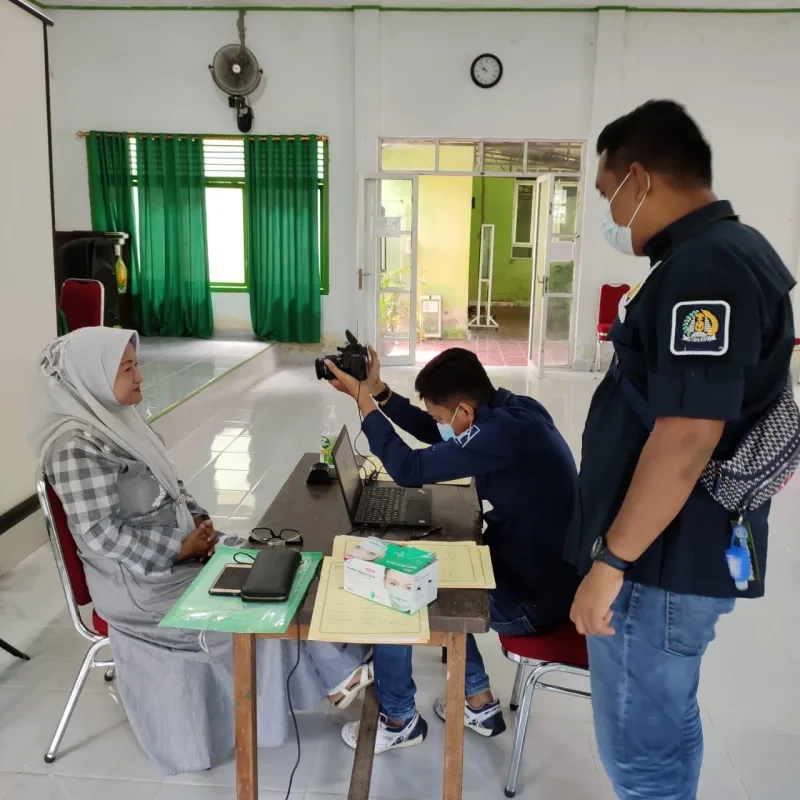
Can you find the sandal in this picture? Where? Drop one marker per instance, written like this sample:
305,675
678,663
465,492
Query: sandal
366,678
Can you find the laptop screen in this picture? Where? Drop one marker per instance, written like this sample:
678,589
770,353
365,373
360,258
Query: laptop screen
344,459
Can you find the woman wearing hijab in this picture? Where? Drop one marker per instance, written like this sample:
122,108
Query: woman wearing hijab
141,537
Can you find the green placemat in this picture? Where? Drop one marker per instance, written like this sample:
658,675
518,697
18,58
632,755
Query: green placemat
199,610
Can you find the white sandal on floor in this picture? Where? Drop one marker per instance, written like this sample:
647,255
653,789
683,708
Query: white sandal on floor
366,677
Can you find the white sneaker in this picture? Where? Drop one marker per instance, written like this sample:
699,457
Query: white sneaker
390,737
486,721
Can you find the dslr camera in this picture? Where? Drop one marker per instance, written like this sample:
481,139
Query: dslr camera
352,359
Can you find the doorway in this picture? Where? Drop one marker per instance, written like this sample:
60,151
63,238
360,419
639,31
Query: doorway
455,238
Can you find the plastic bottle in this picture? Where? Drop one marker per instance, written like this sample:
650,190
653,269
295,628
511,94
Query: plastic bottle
738,558
330,432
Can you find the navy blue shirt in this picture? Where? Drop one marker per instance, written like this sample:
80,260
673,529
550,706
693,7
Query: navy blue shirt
708,335
522,468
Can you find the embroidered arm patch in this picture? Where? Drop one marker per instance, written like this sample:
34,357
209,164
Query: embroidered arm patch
700,328
468,435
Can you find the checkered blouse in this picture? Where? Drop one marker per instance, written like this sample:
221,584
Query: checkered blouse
85,472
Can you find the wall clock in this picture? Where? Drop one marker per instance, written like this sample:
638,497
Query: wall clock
486,71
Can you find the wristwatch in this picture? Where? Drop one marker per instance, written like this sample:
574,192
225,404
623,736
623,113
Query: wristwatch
383,396
600,552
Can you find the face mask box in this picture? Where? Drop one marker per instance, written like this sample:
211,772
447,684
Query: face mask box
402,578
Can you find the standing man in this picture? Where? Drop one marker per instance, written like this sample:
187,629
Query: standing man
704,343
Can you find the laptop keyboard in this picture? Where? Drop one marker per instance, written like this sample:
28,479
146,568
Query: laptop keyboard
382,504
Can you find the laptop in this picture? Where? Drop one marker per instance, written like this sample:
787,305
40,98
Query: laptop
374,503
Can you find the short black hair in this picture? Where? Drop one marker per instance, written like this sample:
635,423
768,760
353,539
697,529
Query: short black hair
455,374
662,137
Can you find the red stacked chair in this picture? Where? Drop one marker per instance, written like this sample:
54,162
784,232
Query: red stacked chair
610,295
82,302
76,592
561,650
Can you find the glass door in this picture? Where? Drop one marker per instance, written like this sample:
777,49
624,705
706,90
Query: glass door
559,281
553,273
387,277
540,237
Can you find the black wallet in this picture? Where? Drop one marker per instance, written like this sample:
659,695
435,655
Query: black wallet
271,576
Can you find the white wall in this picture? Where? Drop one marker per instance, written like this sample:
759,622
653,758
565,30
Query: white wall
27,293
232,315
427,90
358,76
155,78
734,76
747,5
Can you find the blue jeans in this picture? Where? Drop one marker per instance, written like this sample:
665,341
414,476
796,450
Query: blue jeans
644,691
392,663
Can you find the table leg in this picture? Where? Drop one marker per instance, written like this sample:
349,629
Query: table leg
365,750
454,726
244,706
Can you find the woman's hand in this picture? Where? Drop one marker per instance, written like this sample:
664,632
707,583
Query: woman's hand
200,542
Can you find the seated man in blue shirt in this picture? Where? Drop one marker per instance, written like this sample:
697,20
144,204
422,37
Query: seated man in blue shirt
526,480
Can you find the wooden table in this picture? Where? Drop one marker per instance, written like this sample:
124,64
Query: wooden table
318,512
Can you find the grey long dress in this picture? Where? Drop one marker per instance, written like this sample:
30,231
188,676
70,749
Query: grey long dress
175,685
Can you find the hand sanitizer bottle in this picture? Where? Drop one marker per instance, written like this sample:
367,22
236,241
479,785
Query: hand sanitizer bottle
330,431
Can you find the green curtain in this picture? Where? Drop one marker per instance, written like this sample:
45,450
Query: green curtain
282,198
173,274
111,197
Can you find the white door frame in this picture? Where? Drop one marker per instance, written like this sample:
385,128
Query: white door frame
368,263
558,248
536,329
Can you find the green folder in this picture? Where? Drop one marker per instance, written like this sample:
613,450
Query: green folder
199,610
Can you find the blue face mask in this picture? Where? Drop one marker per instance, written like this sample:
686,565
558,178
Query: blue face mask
620,236
446,431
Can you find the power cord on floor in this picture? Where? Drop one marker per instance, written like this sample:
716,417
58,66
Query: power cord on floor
247,558
291,711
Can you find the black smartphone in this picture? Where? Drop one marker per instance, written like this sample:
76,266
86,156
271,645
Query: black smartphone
231,579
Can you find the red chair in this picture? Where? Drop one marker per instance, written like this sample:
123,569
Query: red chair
76,592
560,650
610,295
83,303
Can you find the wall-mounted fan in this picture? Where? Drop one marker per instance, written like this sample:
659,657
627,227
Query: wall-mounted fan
235,70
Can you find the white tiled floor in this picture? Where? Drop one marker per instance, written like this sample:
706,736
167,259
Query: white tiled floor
235,462
174,368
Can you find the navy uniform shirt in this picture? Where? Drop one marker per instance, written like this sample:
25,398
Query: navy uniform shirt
523,470
708,335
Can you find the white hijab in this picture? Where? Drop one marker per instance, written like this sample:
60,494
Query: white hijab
75,391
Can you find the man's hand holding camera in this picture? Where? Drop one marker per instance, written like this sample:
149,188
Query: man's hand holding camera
371,385
362,391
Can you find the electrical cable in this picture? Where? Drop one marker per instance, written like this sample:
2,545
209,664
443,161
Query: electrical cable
291,711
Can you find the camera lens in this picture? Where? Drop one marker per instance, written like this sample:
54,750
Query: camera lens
320,368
